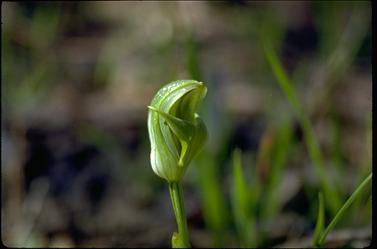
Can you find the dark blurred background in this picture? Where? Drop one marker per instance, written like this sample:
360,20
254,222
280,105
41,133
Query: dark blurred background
77,78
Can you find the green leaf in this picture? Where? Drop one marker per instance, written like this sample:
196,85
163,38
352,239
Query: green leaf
240,186
242,204
320,221
282,144
177,241
330,193
360,189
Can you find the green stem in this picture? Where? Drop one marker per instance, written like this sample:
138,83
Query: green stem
180,239
341,212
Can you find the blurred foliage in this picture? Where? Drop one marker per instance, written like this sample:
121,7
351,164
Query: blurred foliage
76,81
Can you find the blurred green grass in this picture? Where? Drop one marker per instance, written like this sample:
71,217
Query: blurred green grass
93,68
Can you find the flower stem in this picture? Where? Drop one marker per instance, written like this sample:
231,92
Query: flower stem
180,239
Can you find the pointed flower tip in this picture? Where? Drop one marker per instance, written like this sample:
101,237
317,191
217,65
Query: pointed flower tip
203,88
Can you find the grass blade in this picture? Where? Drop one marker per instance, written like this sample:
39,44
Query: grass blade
332,198
243,204
281,148
320,220
213,200
360,189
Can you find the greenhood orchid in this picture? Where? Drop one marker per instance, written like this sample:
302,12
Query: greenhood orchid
176,132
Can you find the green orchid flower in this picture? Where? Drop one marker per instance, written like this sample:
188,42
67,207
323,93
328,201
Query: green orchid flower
177,134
